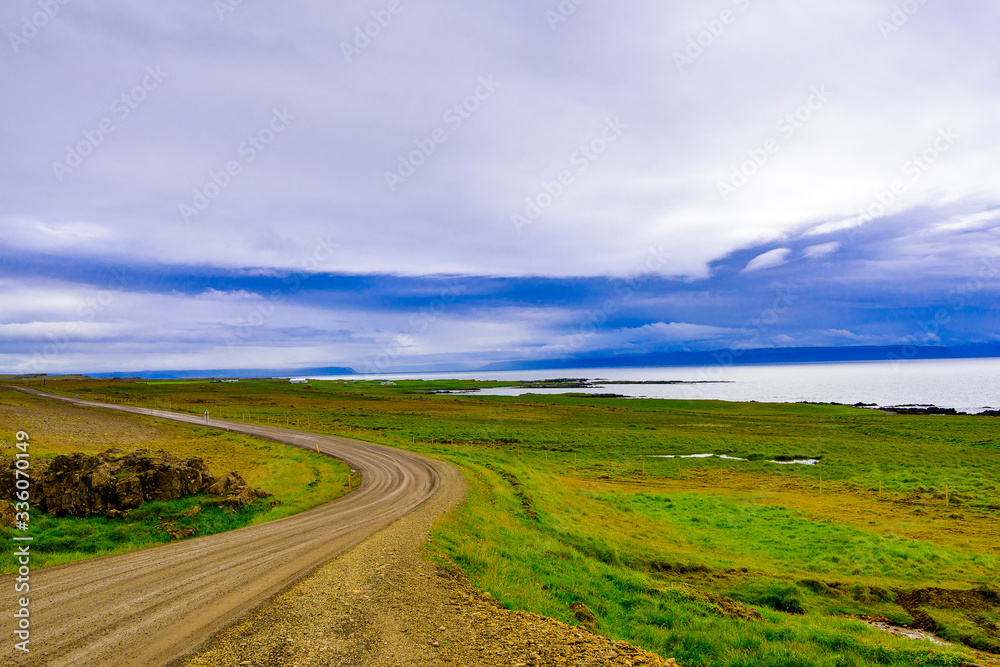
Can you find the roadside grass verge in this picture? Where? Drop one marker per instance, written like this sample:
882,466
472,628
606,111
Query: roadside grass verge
298,478
530,565
67,539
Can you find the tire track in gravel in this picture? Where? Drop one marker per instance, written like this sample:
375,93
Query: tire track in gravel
154,606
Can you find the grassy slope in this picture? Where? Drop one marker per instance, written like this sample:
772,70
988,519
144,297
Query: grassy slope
299,479
897,502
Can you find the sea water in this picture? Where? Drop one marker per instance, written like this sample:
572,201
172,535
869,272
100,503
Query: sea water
968,385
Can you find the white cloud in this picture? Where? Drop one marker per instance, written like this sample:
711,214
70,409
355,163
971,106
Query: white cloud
973,221
240,329
49,331
655,185
821,250
843,333
768,260
836,226
212,294
26,301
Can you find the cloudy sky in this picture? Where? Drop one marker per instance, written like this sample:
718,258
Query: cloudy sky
397,185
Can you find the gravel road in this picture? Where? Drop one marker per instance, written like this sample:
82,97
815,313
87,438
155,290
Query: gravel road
381,603
156,605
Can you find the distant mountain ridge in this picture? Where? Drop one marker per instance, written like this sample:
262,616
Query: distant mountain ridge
229,373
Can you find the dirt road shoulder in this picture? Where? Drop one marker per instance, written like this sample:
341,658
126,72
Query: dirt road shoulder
381,604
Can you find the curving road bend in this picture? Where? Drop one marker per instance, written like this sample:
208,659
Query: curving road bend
154,606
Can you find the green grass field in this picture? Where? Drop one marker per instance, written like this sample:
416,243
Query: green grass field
569,501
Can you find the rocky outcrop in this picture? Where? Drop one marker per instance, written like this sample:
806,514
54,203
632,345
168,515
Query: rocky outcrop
237,492
920,410
112,483
8,515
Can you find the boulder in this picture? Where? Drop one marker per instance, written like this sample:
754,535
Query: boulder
223,485
128,492
236,490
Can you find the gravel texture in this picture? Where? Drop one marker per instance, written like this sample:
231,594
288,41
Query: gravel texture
381,604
